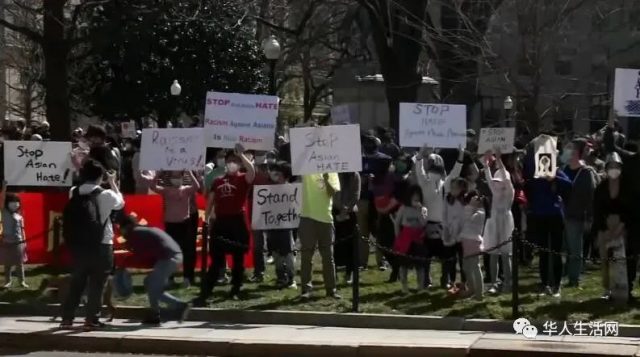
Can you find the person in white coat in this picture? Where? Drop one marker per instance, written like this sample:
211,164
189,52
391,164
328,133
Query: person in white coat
499,227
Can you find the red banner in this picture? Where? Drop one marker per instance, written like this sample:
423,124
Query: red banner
44,246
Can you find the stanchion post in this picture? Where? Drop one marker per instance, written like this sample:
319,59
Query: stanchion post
515,302
355,285
204,254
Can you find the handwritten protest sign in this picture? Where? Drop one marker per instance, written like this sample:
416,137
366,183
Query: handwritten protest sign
37,163
626,95
172,149
248,119
500,138
323,149
276,206
435,125
128,129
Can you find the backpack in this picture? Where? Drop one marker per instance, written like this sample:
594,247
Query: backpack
82,226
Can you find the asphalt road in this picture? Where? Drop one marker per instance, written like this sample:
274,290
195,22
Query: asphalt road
18,353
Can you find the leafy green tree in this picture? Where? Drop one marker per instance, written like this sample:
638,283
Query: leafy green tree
138,47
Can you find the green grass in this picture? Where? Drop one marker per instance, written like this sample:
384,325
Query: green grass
376,296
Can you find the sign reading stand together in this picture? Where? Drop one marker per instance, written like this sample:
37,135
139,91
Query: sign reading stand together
276,206
37,163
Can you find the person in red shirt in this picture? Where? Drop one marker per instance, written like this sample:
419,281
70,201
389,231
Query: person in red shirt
226,215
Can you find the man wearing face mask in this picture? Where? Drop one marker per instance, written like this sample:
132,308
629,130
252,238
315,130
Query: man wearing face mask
226,214
578,210
99,150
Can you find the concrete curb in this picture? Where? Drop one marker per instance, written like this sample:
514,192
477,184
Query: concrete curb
323,319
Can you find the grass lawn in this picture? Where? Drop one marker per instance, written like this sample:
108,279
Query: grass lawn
376,296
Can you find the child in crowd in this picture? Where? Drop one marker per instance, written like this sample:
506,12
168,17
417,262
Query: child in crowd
472,247
500,225
177,213
13,246
280,241
453,224
410,222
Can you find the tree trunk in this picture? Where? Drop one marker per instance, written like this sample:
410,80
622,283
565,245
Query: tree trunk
55,52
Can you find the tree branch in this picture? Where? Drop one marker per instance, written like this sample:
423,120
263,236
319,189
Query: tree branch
27,32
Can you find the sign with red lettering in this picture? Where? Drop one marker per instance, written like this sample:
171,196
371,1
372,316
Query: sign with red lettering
247,119
321,149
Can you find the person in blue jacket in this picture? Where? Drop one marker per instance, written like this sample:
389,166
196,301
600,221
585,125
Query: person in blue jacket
546,221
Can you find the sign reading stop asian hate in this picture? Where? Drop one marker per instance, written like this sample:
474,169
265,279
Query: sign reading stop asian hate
276,206
496,138
247,119
434,125
321,149
37,163
172,149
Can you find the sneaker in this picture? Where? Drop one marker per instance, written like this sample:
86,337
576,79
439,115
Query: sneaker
493,290
545,291
606,296
270,260
293,285
306,295
183,312
93,325
334,295
556,292
24,285
8,285
382,267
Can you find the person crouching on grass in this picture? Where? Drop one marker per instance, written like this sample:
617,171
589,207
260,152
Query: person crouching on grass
153,247
13,246
225,213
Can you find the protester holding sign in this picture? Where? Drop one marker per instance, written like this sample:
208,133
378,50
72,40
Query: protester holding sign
178,209
225,213
13,244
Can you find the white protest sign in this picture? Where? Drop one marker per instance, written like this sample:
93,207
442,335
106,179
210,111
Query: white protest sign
37,163
128,129
321,149
626,95
248,119
342,114
172,149
492,138
276,206
545,152
434,125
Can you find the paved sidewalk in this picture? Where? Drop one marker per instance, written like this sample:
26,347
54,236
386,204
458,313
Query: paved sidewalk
201,338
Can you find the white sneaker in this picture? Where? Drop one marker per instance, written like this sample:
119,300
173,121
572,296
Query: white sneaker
293,286
8,284
24,285
269,260
492,290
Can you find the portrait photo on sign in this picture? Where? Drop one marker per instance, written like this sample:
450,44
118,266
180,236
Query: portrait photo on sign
544,161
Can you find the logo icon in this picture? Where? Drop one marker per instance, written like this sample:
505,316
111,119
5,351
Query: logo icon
524,327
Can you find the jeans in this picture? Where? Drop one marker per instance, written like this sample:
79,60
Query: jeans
19,271
93,268
314,234
494,262
574,242
181,233
258,254
156,282
548,232
453,256
475,281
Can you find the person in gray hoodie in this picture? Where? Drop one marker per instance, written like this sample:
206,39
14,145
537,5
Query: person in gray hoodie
578,207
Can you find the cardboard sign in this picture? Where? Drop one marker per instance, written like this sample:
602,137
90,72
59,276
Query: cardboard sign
545,152
626,95
342,114
323,149
172,149
492,138
248,119
276,206
434,125
37,163
128,129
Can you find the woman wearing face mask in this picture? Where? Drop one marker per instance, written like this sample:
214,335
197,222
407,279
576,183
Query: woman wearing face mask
613,199
177,213
13,246
500,225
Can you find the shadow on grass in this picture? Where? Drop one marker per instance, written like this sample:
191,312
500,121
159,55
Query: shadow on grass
594,308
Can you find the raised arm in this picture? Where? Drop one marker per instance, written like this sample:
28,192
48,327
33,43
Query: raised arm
250,176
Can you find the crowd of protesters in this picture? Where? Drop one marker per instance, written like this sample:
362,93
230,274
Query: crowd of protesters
457,208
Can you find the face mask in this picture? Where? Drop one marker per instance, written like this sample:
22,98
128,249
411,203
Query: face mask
566,156
614,174
13,206
232,167
176,182
401,167
274,176
220,163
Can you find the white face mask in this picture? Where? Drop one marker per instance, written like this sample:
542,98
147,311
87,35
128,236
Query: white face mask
13,206
232,167
614,173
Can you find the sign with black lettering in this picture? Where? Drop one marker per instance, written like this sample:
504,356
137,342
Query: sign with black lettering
37,163
276,206
172,149
496,138
321,149
434,125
